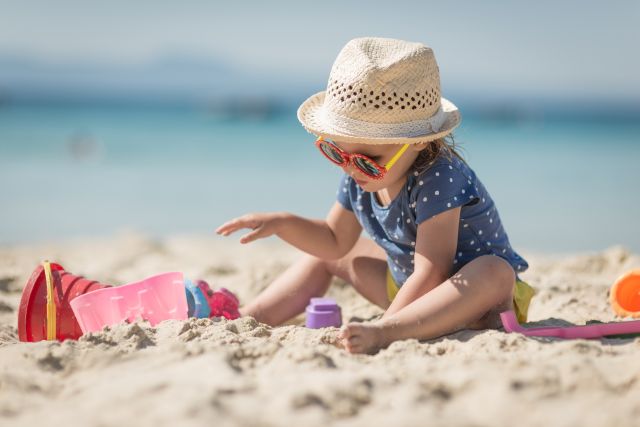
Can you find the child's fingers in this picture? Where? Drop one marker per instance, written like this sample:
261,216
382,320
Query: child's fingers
236,224
254,235
352,345
344,333
228,228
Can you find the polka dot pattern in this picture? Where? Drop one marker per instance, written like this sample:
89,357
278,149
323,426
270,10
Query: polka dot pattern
444,185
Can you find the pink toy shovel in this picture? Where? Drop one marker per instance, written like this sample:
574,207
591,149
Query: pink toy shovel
155,299
595,330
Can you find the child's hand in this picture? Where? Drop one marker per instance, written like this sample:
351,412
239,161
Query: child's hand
262,224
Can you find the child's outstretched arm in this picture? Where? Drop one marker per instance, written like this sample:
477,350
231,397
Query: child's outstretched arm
330,238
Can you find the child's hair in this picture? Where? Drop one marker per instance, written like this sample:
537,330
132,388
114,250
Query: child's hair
445,146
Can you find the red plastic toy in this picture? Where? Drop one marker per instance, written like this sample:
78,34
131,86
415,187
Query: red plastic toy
222,302
33,324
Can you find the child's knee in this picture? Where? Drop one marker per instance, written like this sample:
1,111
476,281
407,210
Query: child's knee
499,273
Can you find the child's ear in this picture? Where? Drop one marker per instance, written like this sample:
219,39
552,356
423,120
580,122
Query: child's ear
419,147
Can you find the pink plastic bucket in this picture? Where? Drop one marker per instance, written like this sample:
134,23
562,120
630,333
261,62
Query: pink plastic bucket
155,299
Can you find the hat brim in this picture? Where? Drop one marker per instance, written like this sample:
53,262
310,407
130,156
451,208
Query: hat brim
310,114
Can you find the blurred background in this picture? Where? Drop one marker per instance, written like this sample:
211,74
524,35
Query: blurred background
171,117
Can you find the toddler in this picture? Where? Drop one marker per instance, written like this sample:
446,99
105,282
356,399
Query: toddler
437,258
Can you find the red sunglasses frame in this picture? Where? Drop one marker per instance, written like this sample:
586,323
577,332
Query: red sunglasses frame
348,158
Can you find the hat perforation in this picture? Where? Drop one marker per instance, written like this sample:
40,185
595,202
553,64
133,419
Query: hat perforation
414,102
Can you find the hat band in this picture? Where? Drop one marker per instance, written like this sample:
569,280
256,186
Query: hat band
352,127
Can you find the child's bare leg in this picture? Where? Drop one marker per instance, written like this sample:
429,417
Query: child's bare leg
364,267
480,286
289,294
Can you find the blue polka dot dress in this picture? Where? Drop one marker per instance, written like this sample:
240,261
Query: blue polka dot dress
446,184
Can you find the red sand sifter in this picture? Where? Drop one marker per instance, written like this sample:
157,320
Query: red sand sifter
45,311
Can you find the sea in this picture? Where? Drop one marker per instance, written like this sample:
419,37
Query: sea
561,184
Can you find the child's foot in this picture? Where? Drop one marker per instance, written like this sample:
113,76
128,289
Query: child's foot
362,337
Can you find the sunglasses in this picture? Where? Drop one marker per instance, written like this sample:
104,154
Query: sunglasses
364,164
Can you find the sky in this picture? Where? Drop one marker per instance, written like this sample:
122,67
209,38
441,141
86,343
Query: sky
574,49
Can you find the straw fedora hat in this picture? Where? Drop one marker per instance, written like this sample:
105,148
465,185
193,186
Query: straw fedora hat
381,91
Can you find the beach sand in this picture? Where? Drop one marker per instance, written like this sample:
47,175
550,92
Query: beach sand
203,372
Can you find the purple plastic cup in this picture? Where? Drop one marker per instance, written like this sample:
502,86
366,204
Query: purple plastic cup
323,313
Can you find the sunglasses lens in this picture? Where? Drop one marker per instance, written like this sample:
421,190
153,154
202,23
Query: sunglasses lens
367,166
332,153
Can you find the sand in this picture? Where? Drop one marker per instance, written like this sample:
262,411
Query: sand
203,372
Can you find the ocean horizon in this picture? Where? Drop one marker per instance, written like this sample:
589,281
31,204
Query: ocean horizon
560,182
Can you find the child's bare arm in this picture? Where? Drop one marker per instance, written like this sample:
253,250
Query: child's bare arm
330,238
436,243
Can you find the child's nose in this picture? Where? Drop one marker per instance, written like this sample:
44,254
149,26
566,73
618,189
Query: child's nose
348,168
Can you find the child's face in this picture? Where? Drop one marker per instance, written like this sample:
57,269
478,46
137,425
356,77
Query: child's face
381,154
